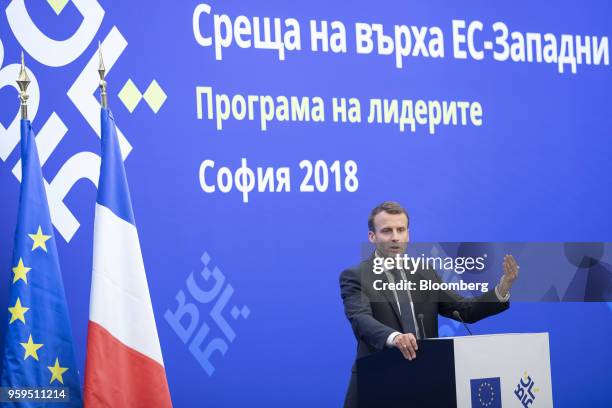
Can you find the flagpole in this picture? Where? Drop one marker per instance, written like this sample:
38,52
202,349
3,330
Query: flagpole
124,365
23,81
102,72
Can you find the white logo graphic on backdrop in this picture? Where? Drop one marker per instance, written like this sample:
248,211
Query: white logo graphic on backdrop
191,312
58,54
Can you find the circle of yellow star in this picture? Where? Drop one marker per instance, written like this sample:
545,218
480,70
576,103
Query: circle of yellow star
39,239
20,272
18,312
31,348
57,372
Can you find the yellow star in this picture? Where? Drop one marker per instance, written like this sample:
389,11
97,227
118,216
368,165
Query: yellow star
18,312
20,272
56,372
39,239
30,348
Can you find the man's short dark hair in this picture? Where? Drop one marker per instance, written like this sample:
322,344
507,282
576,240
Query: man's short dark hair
390,207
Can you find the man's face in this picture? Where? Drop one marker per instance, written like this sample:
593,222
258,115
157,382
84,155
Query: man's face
390,234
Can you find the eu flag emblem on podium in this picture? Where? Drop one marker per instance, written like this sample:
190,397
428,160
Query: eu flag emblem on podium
38,350
486,392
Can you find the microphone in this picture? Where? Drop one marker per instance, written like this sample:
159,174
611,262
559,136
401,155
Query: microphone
457,315
421,317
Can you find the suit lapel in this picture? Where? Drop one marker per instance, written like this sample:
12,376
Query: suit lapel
392,301
388,294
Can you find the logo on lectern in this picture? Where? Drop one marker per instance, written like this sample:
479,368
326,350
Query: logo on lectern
526,390
486,392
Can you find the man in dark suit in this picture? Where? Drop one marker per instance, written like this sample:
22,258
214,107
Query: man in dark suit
383,317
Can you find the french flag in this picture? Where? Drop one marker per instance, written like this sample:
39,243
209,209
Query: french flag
124,365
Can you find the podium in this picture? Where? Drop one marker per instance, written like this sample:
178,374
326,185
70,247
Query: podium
489,371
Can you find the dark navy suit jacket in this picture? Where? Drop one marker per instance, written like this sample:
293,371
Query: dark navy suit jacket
374,314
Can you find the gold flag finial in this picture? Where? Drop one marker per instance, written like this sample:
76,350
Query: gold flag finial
102,73
23,81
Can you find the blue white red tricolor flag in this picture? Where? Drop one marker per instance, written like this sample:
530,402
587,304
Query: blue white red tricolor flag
124,366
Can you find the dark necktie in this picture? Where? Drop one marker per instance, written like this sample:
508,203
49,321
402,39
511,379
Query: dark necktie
406,313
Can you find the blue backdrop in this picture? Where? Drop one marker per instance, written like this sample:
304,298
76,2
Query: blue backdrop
538,169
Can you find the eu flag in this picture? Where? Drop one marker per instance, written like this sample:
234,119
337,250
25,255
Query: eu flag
486,392
38,349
